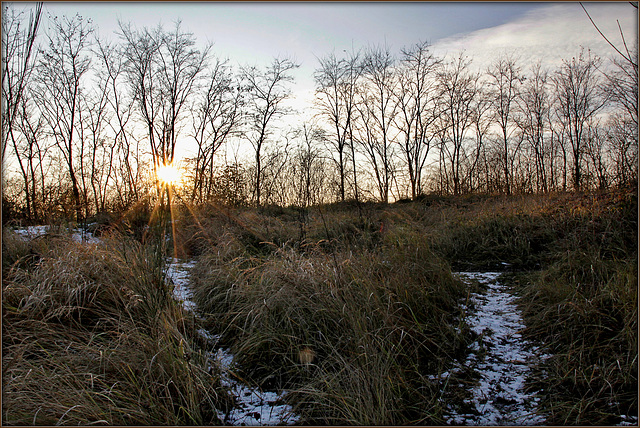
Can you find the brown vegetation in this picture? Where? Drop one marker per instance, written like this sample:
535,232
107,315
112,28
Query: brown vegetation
352,308
92,335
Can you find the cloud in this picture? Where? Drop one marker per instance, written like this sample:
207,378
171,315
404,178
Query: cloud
549,34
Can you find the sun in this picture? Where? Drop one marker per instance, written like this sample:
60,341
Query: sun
168,174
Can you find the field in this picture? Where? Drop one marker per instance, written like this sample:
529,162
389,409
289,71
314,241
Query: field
352,313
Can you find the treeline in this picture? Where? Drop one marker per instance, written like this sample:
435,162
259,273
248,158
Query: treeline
86,122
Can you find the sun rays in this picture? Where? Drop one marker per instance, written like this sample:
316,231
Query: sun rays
168,174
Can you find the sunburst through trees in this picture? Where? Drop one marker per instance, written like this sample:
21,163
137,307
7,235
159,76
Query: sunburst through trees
394,125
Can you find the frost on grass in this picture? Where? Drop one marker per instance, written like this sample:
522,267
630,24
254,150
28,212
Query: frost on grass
253,407
501,357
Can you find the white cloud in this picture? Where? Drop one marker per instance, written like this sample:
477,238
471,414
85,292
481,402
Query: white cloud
549,34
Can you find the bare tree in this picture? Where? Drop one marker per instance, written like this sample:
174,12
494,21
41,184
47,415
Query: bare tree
622,141
579,99
335,97
18,124
30,149
504,82
534,105
621,87
163,70
561,146
595,154
627,55
482,122
276,161
101,151
308,166
60,76
216,117
377,108
417,104
126,172
350,87
18,62
458,91
266,92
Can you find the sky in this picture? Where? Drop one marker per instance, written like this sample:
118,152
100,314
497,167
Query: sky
253,33
550,33
250,30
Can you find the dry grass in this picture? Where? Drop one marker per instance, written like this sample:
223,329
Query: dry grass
91,335
351,308
375,313
584,307
580,302
591,334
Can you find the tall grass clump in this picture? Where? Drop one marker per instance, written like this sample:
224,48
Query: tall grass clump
92,335
487,233
583,306
352,333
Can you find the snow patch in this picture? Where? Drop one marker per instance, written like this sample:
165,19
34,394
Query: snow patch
178,274
81,235
253,407
502,358
31,232
77,234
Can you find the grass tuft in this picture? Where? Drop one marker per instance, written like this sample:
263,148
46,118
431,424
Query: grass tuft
374,322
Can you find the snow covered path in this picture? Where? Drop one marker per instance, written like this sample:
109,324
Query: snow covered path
501,357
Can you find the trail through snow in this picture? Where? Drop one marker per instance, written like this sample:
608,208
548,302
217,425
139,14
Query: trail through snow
501,357
253,407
